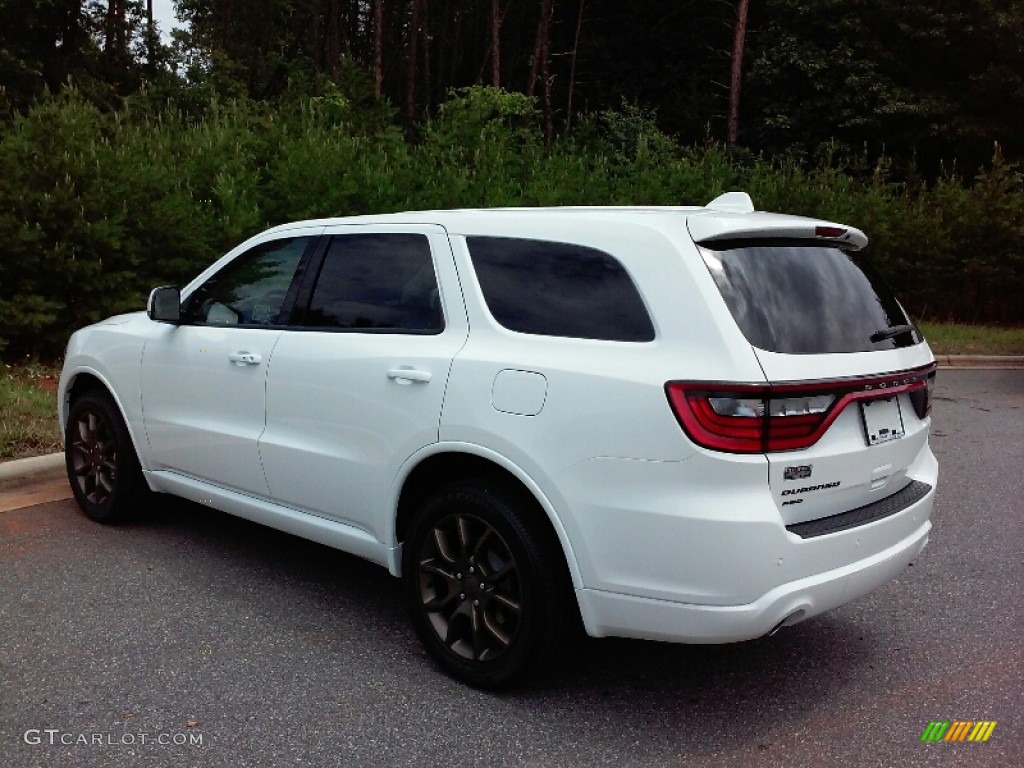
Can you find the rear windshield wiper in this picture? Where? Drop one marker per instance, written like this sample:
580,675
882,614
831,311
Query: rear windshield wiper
888,333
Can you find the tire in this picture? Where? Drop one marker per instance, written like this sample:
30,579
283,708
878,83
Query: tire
487,589
101,463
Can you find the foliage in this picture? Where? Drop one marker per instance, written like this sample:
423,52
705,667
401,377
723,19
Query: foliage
97,207
28,410
964,339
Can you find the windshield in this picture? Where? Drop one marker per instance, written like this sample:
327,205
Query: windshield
805,298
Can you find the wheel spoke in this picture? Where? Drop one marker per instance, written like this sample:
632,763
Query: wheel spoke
505,602
477,624
440,600
462,523
478,548
496,631
441,546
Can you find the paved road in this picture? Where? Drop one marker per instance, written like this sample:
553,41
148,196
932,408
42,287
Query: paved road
278,652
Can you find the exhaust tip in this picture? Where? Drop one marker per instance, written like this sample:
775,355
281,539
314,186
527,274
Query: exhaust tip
793,618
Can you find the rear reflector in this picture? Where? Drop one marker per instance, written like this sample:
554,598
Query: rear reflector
763,418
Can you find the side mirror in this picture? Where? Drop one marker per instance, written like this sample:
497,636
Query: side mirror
164,304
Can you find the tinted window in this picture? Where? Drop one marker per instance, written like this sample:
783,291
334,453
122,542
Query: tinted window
558,289
377,282
805,299
251,290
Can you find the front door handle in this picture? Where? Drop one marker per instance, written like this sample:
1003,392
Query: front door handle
245,358
403,375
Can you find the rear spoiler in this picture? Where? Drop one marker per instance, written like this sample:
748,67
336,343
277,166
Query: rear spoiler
732,217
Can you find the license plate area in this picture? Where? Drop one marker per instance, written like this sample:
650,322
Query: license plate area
883,420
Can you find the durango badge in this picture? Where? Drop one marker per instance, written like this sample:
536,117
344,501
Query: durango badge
810,488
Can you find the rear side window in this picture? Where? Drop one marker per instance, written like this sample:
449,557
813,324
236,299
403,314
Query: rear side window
803,299
558,289
377,282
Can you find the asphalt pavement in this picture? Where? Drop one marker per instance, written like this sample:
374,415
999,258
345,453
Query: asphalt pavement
197,639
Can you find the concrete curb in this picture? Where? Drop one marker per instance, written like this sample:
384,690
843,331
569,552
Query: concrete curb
981,362
13,472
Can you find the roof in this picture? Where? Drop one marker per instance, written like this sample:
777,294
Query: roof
730,216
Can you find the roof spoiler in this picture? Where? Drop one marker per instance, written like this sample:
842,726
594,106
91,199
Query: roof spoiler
732,202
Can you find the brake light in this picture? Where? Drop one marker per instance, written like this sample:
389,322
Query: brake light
829,231
922,396
763,418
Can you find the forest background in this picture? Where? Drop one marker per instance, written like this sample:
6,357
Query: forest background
131,158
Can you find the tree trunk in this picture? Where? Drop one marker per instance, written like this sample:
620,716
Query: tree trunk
73,29
495,44
736,77
109,27
122,45
425,31
411,54
150,35
333,39
547,8
531,84
378,47
572,66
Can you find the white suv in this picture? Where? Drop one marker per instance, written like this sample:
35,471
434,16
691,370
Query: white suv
695,424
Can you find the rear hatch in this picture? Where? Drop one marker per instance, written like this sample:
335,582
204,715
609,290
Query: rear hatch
844,413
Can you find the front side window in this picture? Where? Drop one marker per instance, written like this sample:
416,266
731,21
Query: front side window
251,290
558,289
799,298
378,283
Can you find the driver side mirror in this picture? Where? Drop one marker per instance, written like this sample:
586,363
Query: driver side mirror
164,305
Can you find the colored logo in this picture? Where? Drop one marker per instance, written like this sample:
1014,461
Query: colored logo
958,730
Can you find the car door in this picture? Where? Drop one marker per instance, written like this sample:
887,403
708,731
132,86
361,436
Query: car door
356,385
204,380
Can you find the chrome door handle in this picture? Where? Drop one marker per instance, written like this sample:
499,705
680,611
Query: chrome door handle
245,358
409,374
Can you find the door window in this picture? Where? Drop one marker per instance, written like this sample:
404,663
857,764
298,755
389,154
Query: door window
250,291
377,283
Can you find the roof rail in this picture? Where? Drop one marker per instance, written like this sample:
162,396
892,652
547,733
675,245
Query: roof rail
732,202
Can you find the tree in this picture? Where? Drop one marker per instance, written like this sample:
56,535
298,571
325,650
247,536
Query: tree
736,72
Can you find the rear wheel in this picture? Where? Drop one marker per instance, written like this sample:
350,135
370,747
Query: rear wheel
486,587
102,467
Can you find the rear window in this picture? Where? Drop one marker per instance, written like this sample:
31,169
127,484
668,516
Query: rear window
558,289
804,299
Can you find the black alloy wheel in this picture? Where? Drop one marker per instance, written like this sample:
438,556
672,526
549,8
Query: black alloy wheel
486,588
100,459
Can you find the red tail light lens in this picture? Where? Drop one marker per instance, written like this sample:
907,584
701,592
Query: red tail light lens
756,418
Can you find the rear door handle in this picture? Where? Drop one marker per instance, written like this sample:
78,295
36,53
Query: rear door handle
245,358
409,374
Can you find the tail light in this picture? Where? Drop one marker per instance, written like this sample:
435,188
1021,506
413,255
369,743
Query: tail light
764,418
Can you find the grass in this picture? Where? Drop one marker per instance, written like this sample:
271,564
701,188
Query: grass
962,339
28,410
28,397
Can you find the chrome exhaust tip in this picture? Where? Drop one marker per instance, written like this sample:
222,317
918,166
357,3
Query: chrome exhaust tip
793,618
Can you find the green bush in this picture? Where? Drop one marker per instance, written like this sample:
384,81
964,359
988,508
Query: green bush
96,208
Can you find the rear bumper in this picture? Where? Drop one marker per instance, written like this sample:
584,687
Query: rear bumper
697,552
609,613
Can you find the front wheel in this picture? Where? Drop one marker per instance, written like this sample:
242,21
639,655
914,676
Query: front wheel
486,587
101,463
